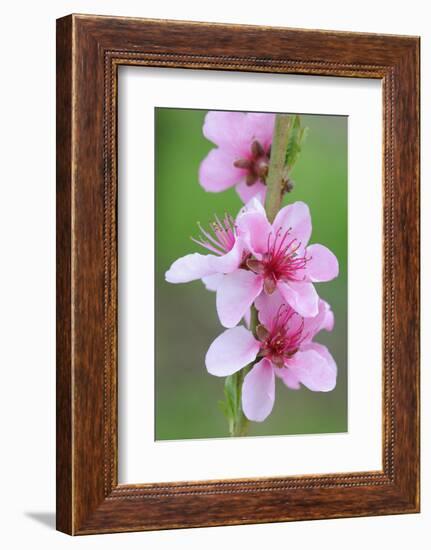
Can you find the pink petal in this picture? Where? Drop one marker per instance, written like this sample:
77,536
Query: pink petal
189,268
323,350
211,282
254,228
329,321
247,318
228,262
258,391
217,172
314,367
228,130
295,217
268,305
302,297
235,294
253,205
323,320
323,264
261,126
289,378
231,351
248,192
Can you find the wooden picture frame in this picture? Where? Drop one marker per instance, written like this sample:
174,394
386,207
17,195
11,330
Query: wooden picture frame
89,52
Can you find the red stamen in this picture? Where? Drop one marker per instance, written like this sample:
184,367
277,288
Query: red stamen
281,262
282,341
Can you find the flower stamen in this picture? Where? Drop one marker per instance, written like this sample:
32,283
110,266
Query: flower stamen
284,339
223,236
281,261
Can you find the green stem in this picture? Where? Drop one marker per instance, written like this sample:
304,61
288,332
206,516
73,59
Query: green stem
274,195
239,426
240,423
274,182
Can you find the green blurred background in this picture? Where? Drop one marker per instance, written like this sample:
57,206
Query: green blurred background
186,319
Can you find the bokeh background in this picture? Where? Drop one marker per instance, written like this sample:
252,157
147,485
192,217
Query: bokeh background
186,396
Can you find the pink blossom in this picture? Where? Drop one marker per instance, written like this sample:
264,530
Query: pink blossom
279,257
222,270
250,255
242,155
285,350
226,254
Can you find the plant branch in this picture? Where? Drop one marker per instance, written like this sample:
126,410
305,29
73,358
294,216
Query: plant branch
238,422
274,192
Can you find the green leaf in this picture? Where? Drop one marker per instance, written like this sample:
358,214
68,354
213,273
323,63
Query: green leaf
296,139
224,408
231,407
230,391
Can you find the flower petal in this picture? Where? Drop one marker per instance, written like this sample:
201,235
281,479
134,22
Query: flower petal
228,130
289,378
324,320
314,367
296,218
235,294
217,172
253,205
258,391
211,282
323,264
189,268
329,320
268,305
231,351
302,297
254,228
228,262
248,192
261,126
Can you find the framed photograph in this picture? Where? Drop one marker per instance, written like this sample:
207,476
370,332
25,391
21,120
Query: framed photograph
237,274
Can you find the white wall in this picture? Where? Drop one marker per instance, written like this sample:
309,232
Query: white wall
27,313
